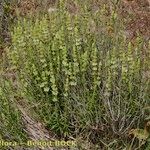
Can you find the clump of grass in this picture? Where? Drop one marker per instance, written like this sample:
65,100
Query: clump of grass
11,127
80,73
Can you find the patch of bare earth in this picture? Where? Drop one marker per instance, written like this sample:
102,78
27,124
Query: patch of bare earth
136,13
35,130
32,7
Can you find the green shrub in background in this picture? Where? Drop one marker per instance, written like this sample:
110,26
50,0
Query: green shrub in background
80,74
11,127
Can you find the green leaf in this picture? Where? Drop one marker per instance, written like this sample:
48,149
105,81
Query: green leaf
55,99
46,89
1,91
43,84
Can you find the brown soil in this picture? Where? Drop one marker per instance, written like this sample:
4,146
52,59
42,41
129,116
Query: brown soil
136,13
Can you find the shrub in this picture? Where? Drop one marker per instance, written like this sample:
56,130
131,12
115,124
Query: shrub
80,74
11,127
